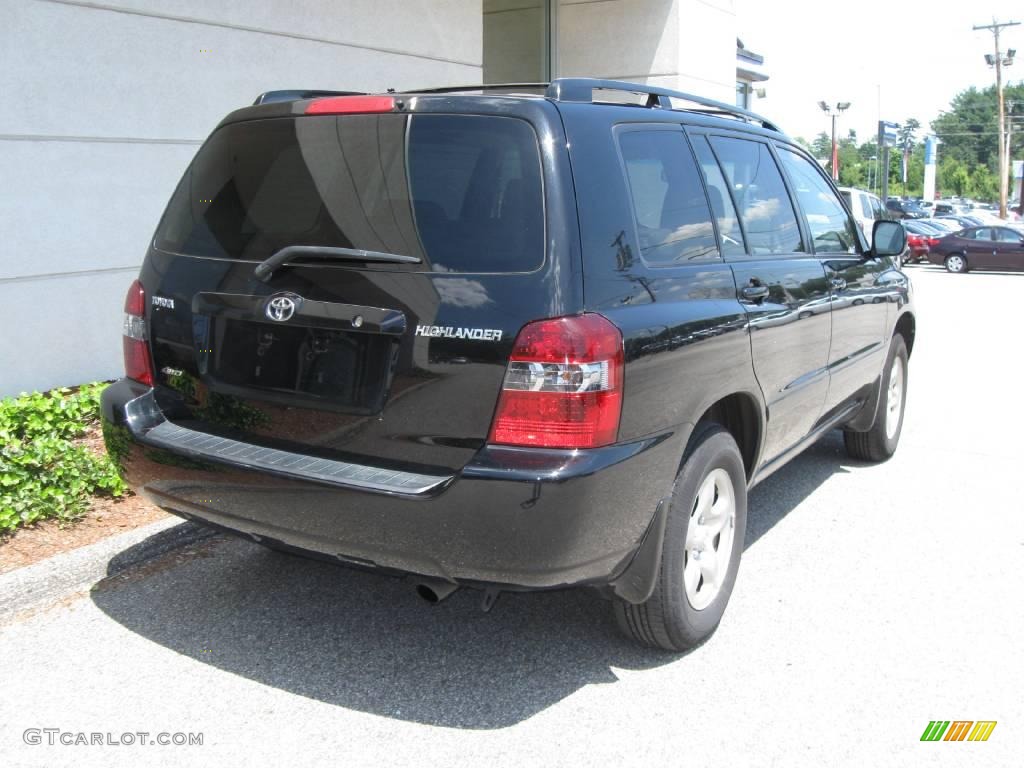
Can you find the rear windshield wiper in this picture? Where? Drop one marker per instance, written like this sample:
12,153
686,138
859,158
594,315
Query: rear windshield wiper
326,253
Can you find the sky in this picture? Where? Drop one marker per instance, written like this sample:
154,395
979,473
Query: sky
891,60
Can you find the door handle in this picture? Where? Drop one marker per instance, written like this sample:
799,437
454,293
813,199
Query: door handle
837,283
754,293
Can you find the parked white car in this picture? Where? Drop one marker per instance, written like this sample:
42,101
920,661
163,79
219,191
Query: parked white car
866,207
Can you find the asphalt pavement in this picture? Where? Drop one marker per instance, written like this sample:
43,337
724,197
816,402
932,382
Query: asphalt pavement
870,601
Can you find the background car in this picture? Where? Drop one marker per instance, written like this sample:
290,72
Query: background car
989,217
905,209
944,226
960,221
949,207
921,236
866,208
1000,248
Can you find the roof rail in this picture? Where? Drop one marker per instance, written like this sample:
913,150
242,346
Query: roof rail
582,89
269,97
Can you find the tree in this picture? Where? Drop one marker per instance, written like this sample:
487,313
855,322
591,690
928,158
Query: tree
821,147
906,136
969,129
953,177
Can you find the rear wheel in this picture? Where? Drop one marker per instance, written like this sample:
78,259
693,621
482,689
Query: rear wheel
956,262
700,555
879,442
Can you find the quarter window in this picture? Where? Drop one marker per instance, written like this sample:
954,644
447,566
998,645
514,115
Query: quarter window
672,215
760,194
830,227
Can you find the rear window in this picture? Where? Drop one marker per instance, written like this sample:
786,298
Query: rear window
463,193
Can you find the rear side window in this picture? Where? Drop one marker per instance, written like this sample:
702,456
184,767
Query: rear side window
761,197
672,215
721,201
865,207
830,226
462,193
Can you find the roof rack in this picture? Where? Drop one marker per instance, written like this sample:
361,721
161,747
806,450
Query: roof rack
582,89
579,89
540,87
269,97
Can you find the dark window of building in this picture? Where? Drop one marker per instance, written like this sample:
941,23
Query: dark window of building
517,41
743,94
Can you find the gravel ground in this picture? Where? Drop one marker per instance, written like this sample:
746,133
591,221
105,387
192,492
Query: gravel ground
871,600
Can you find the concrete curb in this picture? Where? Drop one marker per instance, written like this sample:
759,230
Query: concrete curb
47,581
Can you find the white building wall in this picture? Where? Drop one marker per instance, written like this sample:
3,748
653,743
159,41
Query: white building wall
685,44
104,106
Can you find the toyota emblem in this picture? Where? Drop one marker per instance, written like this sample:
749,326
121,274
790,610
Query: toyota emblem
281,308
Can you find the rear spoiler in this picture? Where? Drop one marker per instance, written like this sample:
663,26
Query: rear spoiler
270,97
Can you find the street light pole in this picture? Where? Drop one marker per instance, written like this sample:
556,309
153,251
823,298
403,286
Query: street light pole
835,151
998,62
827,109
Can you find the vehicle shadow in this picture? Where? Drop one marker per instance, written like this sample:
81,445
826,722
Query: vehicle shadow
367,643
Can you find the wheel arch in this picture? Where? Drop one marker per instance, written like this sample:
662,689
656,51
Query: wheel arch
906,326
742,415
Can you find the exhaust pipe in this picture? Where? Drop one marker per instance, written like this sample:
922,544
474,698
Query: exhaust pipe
434,590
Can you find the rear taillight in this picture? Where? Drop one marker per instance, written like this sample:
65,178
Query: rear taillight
137,363
933,241
351,105
563,385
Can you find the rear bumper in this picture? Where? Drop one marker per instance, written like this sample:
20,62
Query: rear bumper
517,518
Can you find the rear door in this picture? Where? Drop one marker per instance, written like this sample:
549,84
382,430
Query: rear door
979,247
1008,249
781,285
394,362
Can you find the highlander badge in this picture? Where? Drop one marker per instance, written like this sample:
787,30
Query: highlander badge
448,332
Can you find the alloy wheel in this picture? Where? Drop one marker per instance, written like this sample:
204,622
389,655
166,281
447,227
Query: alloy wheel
709,539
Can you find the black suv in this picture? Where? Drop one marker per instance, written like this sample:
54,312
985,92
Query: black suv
510,338
905,209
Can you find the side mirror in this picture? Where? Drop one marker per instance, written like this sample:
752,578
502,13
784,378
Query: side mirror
889,238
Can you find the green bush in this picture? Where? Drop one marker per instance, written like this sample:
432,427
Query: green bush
43,473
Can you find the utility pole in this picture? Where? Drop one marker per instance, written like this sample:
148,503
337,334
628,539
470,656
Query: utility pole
998,61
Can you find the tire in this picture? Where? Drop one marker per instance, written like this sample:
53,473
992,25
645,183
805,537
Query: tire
684,611
956,262
879,443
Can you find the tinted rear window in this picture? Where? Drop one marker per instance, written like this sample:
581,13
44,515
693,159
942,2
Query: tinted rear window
463,193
